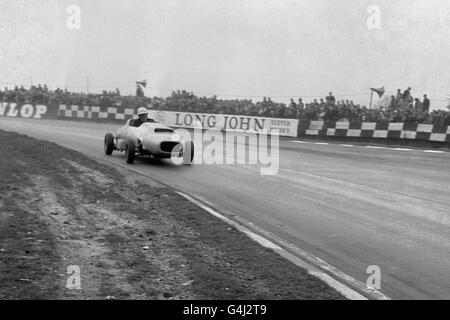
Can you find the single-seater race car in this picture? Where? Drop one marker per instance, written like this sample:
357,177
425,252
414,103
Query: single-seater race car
148,138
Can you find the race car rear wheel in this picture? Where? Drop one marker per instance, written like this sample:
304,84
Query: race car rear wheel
109,144
130,151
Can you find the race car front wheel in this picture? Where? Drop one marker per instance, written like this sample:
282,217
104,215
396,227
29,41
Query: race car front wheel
109,144
130,151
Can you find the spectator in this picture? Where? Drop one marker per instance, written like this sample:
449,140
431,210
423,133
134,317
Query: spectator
393,102
331,100
292,104
322,102
418,107
397,110
292,109
301,105
407,95
315,103
139,91
399,98
426,104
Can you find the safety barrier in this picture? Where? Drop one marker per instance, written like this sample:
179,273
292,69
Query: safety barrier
381,130
375,130
223,122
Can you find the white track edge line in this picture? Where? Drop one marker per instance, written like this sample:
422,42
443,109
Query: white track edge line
340,287
368,147
433,151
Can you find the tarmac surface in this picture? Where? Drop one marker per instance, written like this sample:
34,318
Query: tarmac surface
352,206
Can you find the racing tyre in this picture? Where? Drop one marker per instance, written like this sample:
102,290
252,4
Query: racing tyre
130,151
109,144
188,153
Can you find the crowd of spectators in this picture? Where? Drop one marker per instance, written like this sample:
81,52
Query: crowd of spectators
402,107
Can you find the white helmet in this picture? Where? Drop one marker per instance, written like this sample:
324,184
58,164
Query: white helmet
142,111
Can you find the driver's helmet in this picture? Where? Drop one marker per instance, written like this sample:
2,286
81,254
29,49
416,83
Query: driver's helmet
142,111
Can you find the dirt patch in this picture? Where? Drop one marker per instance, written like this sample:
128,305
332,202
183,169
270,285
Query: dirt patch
86,173
131,238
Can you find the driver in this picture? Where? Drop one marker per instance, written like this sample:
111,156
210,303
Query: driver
143,118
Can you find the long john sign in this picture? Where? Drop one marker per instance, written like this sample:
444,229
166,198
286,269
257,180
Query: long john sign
283,127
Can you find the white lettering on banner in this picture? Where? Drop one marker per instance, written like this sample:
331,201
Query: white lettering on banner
281,123
40,110
12,110
283,127
27,111
24,111
2,108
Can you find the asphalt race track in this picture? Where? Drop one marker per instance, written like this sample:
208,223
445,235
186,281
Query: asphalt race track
352,206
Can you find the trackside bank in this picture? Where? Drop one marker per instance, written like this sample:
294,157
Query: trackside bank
380,130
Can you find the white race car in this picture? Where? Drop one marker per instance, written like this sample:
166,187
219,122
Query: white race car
149,139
